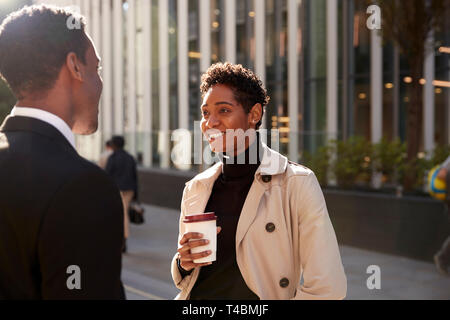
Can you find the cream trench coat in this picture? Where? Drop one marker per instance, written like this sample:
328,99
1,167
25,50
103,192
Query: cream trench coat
283,232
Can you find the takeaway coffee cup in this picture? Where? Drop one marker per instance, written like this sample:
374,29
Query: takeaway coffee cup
204,223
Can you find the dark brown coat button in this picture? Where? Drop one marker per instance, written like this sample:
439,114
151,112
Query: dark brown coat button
266,178
270,227
284,283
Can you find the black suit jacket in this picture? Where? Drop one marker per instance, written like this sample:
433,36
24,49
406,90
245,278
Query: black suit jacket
56,210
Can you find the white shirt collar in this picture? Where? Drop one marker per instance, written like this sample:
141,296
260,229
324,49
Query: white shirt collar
48,117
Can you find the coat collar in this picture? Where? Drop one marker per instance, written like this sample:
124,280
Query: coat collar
272,164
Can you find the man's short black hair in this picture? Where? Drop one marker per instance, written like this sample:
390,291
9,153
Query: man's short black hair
34,44
247,87
118,142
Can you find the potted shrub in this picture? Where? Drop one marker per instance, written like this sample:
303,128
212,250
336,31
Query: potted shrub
352,165
388,157
319,162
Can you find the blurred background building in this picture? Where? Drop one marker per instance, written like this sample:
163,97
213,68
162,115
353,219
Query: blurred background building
328,75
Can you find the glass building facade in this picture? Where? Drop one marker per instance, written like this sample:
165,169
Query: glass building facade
328,75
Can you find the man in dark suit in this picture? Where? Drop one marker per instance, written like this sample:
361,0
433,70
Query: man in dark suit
121,166
61,218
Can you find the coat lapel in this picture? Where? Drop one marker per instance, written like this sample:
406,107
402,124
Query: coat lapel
249,210
272,163
197,203
201,188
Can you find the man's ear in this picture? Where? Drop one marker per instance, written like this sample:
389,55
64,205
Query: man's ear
74,66
255,114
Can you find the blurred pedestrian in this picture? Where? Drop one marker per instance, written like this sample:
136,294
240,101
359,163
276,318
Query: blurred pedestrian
61,224
105,155
121,166
442,257
272,214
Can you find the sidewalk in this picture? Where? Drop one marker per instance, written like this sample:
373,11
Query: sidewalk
146,266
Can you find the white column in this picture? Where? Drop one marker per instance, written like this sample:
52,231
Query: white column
95,25
146,76
59,3
118,85
205,34
428,95
131,77
376,86
332,78
332,70
86,4
163,144
77,3
83,142
376,96
293,79
95,140
107,68
205,63
183,64
230,31
260,41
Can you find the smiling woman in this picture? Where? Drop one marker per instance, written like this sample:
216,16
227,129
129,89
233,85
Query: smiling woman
274,224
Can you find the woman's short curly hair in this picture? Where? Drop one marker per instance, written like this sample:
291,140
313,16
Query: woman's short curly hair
247,87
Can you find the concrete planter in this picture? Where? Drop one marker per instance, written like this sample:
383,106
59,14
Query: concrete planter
409,226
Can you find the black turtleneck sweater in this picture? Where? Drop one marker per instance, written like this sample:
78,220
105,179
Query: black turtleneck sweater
223,280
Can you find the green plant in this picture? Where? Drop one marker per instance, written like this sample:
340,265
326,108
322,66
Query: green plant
422,163
352,162
388,157
415,169
356,159
440,154
319,162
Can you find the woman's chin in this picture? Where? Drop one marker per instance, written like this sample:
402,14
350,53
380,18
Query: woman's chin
215,148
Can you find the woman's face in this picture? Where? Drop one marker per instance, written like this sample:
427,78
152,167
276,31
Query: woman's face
222,117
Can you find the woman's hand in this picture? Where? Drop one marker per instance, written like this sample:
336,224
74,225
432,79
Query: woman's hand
184,252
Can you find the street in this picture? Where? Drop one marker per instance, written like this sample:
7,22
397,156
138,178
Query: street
151,246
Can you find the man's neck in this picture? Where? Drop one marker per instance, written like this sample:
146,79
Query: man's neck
58,110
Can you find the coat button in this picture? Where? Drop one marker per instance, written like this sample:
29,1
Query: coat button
266,178
284,283
270,227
